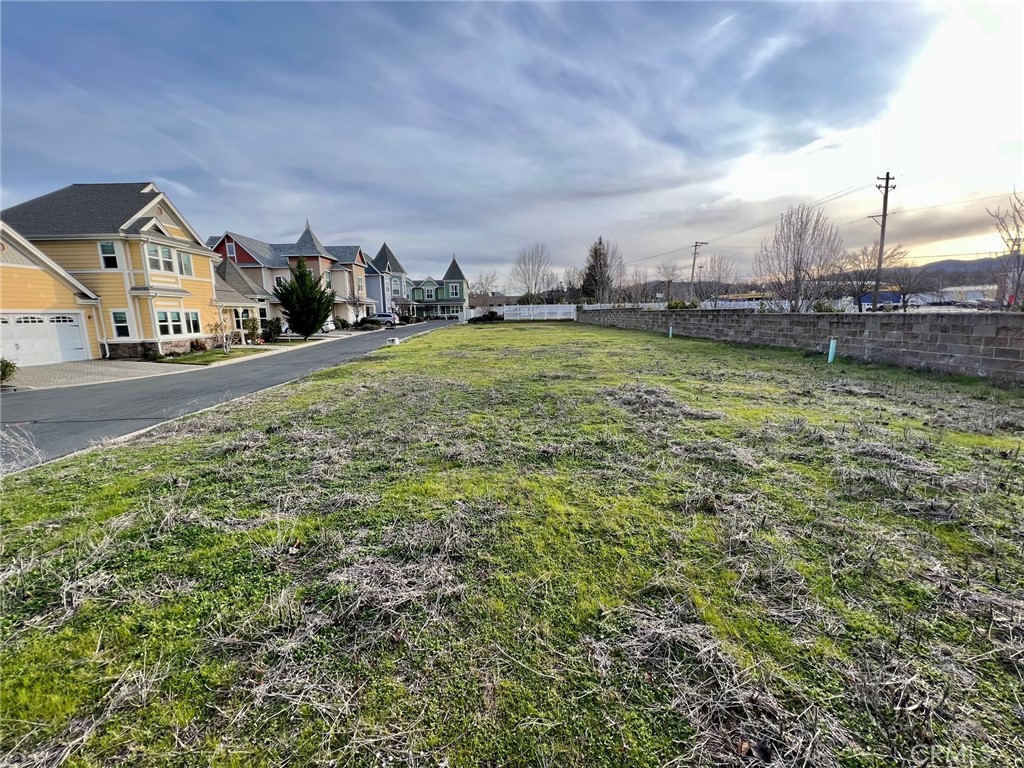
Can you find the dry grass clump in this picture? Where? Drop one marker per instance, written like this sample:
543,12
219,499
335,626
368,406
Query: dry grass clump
651,400
17,450
738,719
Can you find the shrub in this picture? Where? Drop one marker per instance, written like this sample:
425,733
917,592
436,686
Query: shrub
823,305
198,345
368,324
679,304
272,330
342,323
487,317
406,319
7,369
251,326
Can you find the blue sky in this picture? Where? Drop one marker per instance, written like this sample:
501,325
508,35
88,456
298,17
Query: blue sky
478,129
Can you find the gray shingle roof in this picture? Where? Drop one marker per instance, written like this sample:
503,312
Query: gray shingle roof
276,254
386,261
80,209
346,254
225,294
139,224
308,245
231,274
454,273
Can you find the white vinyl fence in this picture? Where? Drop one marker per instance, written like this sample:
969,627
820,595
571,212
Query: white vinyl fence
540,312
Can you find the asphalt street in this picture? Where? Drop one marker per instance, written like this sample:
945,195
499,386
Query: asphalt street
62,421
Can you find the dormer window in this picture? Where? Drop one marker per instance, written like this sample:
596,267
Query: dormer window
231,250
430,293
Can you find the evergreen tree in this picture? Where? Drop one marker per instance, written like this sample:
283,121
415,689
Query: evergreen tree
304,303
597,275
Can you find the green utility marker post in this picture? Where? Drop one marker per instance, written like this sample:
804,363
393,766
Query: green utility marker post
670,331
832,350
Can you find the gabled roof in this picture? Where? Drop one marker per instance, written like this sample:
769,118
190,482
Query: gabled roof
421,283
81,209
41,259
225,294
454,273
371,269
385,261
276,255
231,274
346,254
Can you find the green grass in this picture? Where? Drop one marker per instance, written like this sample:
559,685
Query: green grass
211,356
532,545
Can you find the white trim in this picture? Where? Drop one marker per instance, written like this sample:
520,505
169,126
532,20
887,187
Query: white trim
38,255
162,198
116,254
114,324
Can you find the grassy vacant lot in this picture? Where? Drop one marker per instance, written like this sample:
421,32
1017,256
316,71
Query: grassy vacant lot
532,545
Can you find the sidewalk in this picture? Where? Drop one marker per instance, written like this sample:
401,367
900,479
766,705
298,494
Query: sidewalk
83,372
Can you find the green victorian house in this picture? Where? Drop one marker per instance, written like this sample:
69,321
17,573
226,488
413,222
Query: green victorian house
446,297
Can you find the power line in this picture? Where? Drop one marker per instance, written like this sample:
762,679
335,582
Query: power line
829,198
929,207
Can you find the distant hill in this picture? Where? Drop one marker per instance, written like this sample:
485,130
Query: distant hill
967,271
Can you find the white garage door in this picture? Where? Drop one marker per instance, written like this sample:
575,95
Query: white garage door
30,338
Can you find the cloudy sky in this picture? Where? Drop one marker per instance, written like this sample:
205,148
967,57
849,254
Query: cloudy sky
478,129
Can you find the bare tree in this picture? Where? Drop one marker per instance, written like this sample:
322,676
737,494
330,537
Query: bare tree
572,280
717,274
635,287
616,268
799,261
668,272
531,271
484,283
908,280
859,268
1010,226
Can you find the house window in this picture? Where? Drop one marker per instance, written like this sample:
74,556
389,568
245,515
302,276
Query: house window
166,260
231,250
120,322
327,279
169,323
263,317
280,281
453,290
396,288
153,256
359,285
430,293
108,255
192,322
185,264
240,316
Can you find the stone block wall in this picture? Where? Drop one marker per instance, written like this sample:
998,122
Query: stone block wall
986,344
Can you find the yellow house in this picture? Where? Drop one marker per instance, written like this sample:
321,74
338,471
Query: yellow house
48,316
130,247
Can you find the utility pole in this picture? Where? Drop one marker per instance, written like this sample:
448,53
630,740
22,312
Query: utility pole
693,269
881,239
